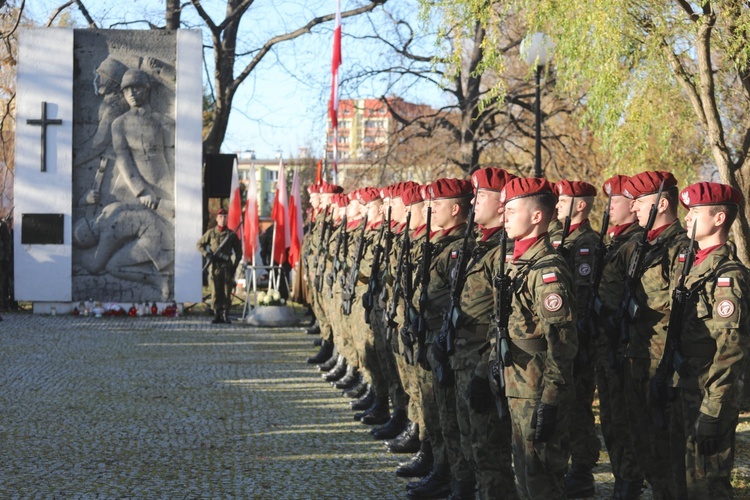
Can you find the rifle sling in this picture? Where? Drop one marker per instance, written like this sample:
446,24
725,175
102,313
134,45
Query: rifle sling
530,346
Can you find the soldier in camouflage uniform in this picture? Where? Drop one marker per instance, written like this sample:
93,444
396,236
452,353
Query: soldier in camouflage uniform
576,199
484,438
622,233
220,244
647,331
713,344
539,380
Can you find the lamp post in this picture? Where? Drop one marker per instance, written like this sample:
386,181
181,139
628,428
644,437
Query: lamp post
536,50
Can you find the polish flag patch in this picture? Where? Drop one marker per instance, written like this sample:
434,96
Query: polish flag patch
549,277
509,257
584,251
682,257
724,282
556,243
454,254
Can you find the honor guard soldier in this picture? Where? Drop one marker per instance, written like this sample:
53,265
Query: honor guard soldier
577,244
622,231
219,245
711,345
643,314
542,337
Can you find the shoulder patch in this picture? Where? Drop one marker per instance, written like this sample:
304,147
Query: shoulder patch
556,243
584,269
724,282
454,254
725,308
553,302
549,278
584,251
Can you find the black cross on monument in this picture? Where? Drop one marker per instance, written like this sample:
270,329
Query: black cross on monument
43,123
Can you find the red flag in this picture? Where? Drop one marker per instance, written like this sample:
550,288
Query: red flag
252,221
319,172
333,104
295,221
280,214
234,218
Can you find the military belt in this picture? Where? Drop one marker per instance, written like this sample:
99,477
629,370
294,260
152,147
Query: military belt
476,330
530,346
698,350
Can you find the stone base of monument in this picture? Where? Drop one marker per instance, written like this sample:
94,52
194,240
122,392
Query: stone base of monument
272,316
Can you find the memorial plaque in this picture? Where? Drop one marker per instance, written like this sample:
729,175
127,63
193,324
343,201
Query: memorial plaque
42,229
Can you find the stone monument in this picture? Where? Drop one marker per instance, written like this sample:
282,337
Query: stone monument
117,173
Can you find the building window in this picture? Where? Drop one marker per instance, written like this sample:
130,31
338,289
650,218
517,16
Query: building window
272,175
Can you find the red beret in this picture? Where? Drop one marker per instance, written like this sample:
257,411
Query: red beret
313,188
411,195
574,188
221,212
367,194
647,183
448,188
614,185
709,193
493,179
340,199
521,187
326,188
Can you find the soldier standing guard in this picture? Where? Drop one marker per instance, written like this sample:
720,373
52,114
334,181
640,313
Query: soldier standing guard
218,244
543,342
713,346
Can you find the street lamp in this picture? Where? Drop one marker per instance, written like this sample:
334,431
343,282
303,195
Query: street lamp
536,50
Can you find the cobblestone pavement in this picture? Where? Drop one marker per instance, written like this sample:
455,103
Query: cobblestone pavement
178,408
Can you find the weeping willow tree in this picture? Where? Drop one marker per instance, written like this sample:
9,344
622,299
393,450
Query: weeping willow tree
666,85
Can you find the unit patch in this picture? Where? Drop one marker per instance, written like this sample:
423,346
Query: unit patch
725,308
584,269
553,302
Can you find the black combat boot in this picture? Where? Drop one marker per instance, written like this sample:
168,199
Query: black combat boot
328,365
437,484
218,318
314,329
378,413
365,401
337,371
225,317
358,390
324,354
407,441
629,490
394,427
462,490
349,380
317,342
419,465
579,481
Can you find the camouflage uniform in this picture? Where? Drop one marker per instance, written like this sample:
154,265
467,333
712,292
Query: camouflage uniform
543,345
714,344
314,256
646,347
579,251
341,324
613,413
222,268
484,437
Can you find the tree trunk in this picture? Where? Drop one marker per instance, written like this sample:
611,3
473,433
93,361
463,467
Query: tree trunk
173,11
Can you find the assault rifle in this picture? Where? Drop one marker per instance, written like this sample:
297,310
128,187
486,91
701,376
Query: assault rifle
319,261
373,286
672,359
217,256
420,326
341,242
347,293
410,313
503,301
629,310
586,325
403,256
566,229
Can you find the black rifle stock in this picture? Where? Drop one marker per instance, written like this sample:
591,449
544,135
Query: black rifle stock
410,314
373,286
319,261
403,254
628,309
421,323
341,242
503,301
672,359
347,293
566,228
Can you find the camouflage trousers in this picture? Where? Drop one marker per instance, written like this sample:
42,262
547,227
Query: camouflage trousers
378,370
613,415
316,303
431,415
362,336
699,476
584,443
540,467
408,375
342,335
650,443
221,281
487,441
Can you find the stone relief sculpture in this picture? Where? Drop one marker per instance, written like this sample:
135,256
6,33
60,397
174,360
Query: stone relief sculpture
123,234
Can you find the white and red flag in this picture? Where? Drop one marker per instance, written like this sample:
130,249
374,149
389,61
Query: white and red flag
295,221
234,217
333,104
280,216
252,219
